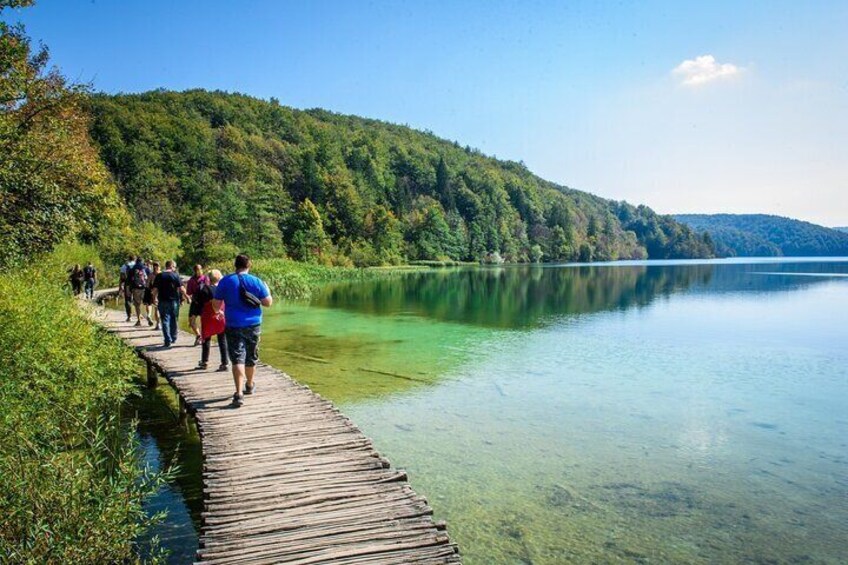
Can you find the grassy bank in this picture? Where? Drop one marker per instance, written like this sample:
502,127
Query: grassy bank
294,280
71,484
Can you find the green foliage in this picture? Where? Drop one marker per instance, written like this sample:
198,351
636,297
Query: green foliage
227,171
662,236
295,280
309,242
383,230
143,238
428,235
71,484
536,254
64,256
760,235
52,183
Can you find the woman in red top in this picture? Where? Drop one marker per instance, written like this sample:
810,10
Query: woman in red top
211,324
193,286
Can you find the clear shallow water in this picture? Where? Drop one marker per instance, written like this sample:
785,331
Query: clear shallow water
165,441
691,412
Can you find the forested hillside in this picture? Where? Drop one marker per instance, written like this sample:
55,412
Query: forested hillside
227,172
752,235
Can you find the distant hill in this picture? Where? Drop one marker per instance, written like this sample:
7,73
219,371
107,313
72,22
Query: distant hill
761,235
842,229
227,171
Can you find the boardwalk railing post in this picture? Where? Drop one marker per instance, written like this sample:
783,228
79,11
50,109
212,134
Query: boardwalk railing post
183,411
152,377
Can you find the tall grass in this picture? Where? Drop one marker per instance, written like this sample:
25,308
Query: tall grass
294,280
71,482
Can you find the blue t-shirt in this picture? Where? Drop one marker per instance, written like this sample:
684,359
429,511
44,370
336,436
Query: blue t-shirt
238,314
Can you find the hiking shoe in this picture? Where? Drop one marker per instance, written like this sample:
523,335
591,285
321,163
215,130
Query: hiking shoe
150,322
157,327
238,400
129,318
223,367
249,389
202,366
138,323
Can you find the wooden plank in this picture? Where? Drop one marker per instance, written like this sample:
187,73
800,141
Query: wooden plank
287,478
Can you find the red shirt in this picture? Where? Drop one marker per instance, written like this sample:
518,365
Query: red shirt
193,284
210,324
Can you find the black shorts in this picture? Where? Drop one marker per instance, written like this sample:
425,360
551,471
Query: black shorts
195,308
243,345
148,297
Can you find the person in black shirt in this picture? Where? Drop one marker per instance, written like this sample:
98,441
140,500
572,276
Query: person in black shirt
148,293
169,292
90,277
76,278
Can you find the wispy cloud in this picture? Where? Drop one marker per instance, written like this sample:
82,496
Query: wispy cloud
703,70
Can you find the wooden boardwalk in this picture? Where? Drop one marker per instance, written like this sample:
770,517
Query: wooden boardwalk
286,477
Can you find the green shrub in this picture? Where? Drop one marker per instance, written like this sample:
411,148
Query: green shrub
55,266
71,483
293,280
139,238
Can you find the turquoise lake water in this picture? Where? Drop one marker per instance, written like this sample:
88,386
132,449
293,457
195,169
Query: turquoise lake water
633,412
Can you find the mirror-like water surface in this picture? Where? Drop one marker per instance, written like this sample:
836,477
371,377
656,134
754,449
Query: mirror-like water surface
690,412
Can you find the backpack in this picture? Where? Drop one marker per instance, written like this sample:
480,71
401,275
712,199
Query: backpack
249,299
139,278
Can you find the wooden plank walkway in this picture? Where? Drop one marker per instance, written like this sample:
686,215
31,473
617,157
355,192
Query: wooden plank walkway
286,477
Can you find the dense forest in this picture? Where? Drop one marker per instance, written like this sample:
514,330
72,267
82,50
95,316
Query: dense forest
226,172
761,235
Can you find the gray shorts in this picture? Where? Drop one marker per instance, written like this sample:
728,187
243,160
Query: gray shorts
243,345
138,296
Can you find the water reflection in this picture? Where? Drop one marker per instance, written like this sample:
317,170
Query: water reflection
530,296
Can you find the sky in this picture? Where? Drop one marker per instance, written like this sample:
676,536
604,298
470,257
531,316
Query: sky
688,107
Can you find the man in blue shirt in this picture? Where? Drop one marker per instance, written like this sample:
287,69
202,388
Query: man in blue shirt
242,293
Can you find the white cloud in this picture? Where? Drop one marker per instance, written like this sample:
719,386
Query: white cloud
704,69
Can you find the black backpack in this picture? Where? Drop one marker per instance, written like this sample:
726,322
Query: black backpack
139,277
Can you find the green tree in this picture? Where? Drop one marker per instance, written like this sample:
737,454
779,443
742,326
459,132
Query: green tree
427,230
561,245
384,232
309,241
52,183
536,253
443,185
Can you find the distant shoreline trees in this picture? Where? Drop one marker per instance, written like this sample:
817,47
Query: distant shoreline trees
762,235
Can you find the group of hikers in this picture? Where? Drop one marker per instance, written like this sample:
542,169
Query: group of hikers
83,278
226,307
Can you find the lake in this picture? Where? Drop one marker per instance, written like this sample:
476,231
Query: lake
675,411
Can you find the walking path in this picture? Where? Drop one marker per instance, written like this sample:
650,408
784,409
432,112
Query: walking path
286,477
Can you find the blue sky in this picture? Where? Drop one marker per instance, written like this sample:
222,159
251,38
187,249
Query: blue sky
686,107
